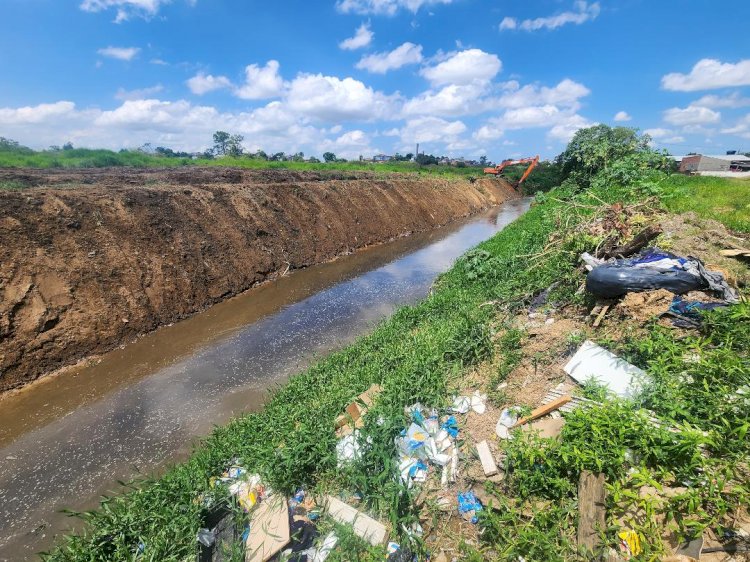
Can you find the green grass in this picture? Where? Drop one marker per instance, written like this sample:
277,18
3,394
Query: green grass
87,158
419,354
724,199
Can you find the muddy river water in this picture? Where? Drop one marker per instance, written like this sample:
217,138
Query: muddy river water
68,439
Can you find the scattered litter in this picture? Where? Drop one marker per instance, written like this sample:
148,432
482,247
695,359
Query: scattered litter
656,269
321,553
347,449
485,457
461,404
502,431
363,525
450,426
269,530
469,506
478,402
630,542
508,417
425,440
356,410
692,310
594,362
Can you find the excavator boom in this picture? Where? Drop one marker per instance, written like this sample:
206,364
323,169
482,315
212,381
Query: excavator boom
497,170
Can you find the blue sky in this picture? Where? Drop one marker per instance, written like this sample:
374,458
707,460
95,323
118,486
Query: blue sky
462,77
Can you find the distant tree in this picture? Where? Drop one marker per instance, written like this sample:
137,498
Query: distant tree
329,157
313,160
234,145
9,145
67,146
260,155
278,157
208,154
54,148
221,142
409,157
483,160
299,157
427,159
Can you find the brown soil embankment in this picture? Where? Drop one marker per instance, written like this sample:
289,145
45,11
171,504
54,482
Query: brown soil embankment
91,259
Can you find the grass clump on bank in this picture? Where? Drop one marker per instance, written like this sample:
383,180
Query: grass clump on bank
420,355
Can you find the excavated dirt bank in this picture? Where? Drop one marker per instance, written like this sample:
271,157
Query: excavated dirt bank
93,258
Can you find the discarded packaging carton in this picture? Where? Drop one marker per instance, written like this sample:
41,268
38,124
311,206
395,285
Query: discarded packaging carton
549,428
356,410
363,525
269,530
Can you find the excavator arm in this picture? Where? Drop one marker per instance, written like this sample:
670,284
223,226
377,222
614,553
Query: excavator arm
531,161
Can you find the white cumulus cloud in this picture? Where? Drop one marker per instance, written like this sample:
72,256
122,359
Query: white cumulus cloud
664,136
120,53
691,115
362,38
126,9
583,12
709,74
140,93
380,63
332,99
464,67
622,116
384,7
261,82
731,101
204,83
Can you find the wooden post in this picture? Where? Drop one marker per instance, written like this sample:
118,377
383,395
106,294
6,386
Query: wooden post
591,508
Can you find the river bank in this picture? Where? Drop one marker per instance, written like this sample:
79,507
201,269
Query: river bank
96,258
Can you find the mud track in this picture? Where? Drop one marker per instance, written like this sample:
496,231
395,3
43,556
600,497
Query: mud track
93,258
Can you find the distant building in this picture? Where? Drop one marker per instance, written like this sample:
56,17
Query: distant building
697,163
382,158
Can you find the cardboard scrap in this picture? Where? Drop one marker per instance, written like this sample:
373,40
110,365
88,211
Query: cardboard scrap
594,362
269,530
549,428
485,457
363,525
356,410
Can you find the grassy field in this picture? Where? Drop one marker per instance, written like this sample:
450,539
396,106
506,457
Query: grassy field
419,355
87,158
723,199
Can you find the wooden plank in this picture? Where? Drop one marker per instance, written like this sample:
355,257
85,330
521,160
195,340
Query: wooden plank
363,525
269,530
591,509
601,316
485,457
545,409
736,253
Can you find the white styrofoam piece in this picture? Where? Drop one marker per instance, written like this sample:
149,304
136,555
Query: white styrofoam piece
593,361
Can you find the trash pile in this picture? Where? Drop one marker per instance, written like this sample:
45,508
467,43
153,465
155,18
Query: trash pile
653,269
279,528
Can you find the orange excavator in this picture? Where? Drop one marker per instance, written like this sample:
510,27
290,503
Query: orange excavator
531,160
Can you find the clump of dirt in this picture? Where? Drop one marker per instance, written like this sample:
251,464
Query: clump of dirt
93,258
642,307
